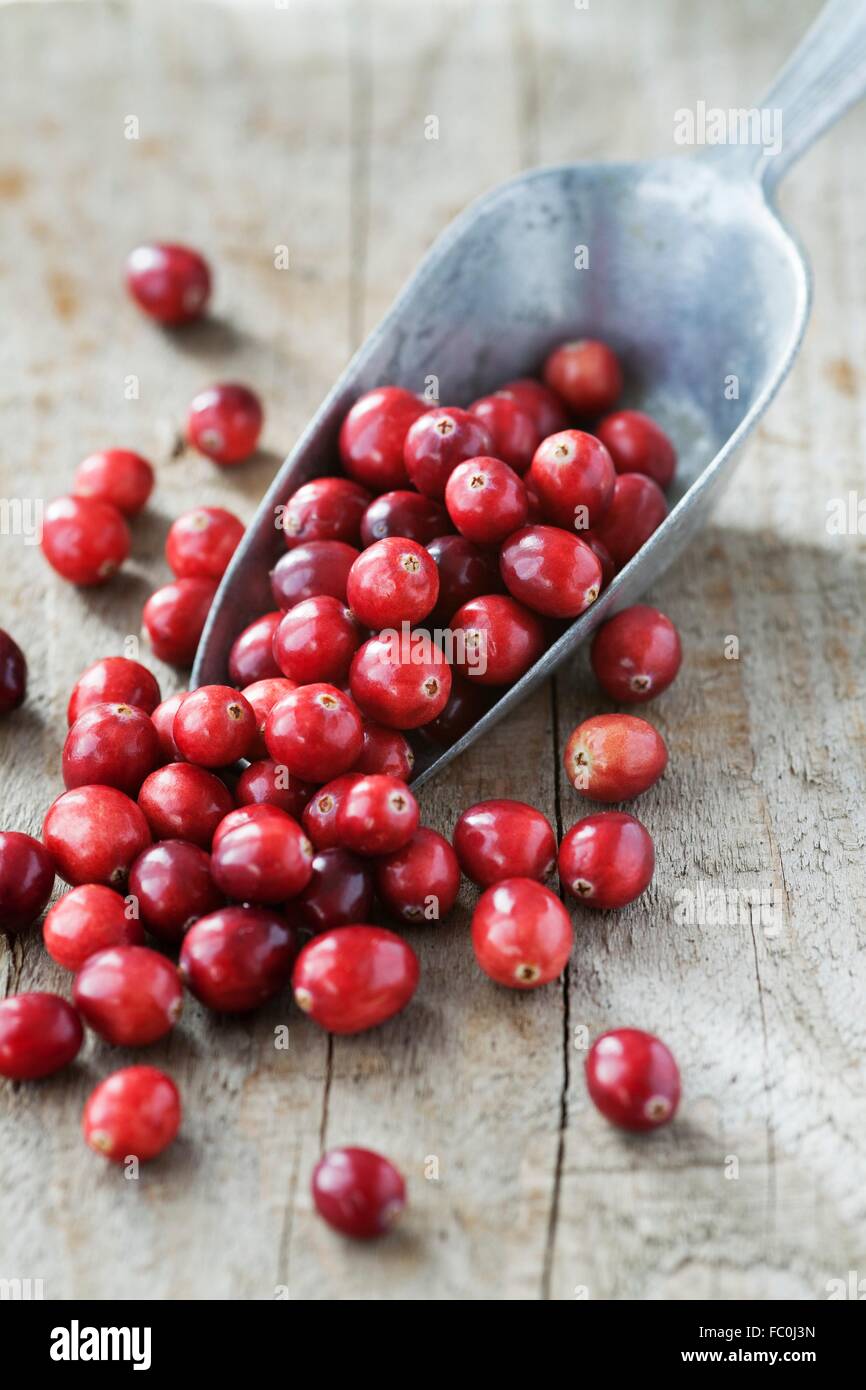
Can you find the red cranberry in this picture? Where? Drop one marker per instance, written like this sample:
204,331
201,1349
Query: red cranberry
377,815
327,509
358,1192
174,618
465,571
504,839
113,680
265,861
94,834
252,655
123,479
420,882
170,283
214,726
607,860
320,813
339,892
404,514
574,478
633,1079
26,879
464,707
486,500
614,757
112,745
393,582
200,543
246,815
85,541
87,920
134,1113
319,567
316,732
238,958
638,445
129,995
550,570
182,802
587,375
636,655
13,674
316,640
521,933
602,554
354,977
262,696
173,885
385,751
39,1034
225,422
266,783
439,440
637,509
502,639
402,681
163,721
373,434
535,513
545,407
512,428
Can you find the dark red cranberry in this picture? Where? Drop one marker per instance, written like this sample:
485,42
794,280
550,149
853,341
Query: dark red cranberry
173,885
638,445
265,861
607,860
123,479
551,571
420,882
637,509
614,757
214,726
171,283
602,554
94,834
89,919
238,958
377,815
636,655
201,543
182,802
633,1079
316,640
354,977
486,500
163,722
500,639
465,571
439,440
174,618
521,933
262,696
225,422
13,674
394,581
386,751
26,879
110,745
252,654
574,477
400,684
326,509
464,707
266,783
129,995
404,514
358,1192
307,571
511,426
339,892
546,408
504,839
134,1113
316,732
320,813
373,434
115,680
586,374
84,540
39,1034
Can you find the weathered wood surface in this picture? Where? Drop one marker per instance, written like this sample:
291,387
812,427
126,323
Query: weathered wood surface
259,127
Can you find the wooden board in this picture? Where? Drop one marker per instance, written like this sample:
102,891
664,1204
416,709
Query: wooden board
260,127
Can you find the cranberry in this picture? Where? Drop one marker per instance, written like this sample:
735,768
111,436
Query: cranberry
200,543
535,512
464,707
264,861
602,554
404,514
94,834
238,958
246,815
550,570
39,1034
373,434
214,726
170,283
26,879
174,618
420,882
386,751
521,933
123,479
633,1079
504,839
173,885
486,500
252,655
113,680
393,582
88,919
327,509
316,640
129,995
163,721
587,375
636,655
502,639
320,813
465,571
607,860
354,977
225,422
182,802
112,745
358,1192
574,477
308,571
614,757
84,540
266,783
316,732
339,892
638,445
637,509
512,427
262,696
545,407
439,440
134,1113
377,815
13,674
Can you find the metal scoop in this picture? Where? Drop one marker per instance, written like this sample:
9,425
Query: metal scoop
692,278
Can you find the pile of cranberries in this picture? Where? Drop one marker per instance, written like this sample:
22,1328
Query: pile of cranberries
250,829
